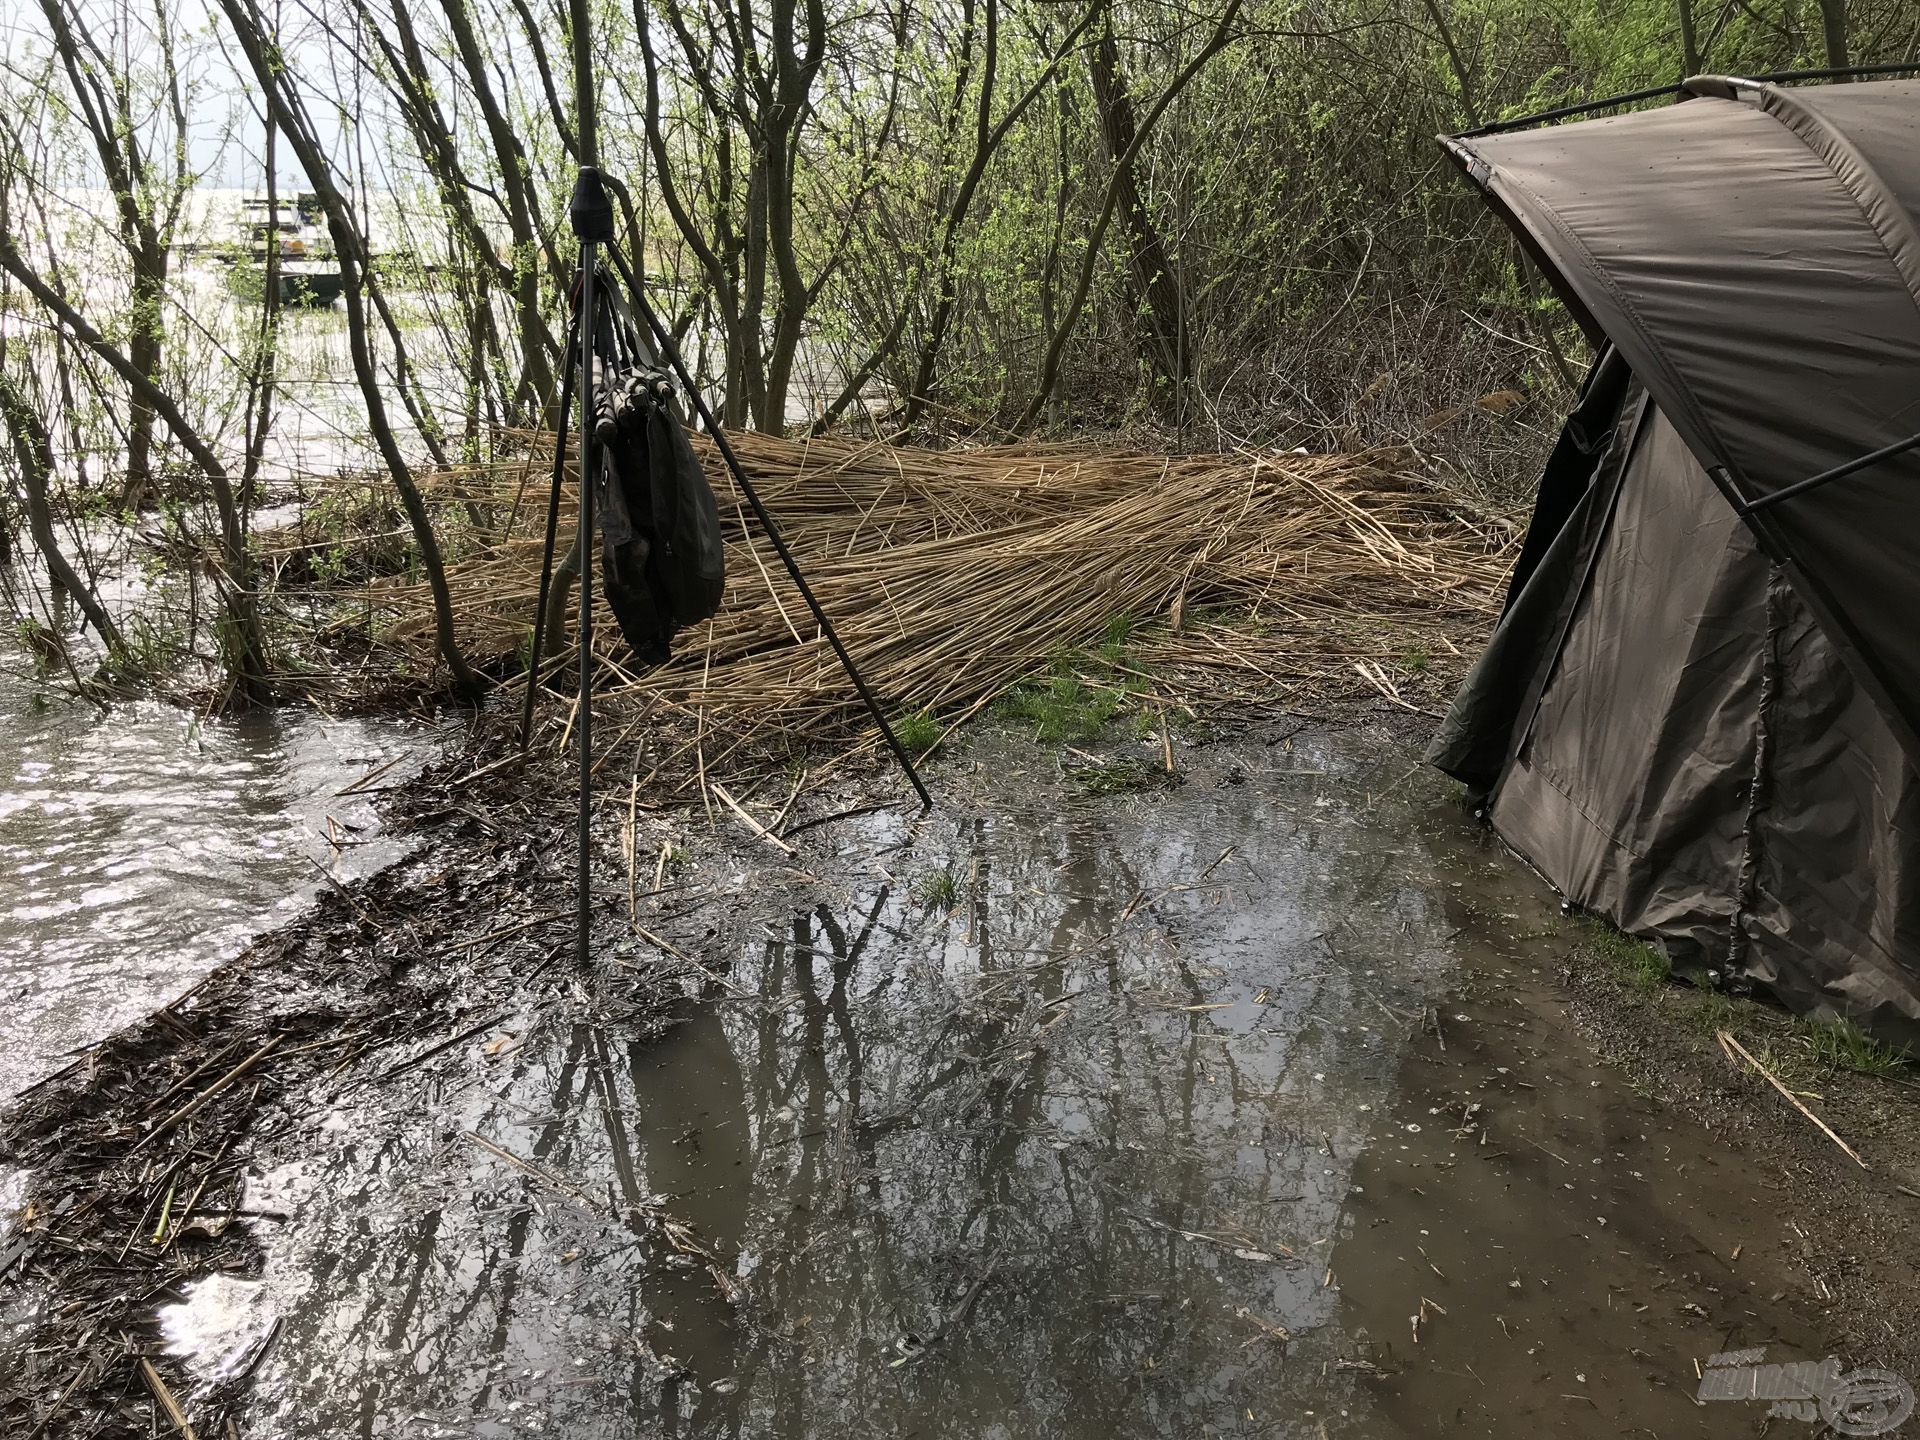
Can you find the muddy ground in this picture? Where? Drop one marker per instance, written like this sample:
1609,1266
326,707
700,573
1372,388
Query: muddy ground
1268,1096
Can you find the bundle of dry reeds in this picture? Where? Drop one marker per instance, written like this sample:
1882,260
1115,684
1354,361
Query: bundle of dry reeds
954,574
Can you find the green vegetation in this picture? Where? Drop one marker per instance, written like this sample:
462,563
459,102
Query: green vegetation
1119,777
1791,1065
939,890
1711,1011
918,732
1063,708
1800,1051
1640,965
1842,1045
1083,691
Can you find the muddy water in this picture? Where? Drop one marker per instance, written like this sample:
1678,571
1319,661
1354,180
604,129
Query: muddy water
1048,1116
139,848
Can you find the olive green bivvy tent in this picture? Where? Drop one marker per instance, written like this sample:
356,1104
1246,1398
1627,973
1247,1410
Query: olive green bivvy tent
1700,713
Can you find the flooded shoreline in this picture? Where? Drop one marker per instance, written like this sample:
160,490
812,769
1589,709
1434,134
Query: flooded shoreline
924,1152
1162,1112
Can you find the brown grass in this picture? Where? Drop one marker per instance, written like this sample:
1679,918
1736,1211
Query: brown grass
953,575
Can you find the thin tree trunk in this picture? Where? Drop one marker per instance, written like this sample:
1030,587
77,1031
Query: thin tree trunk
539,346
1148,265
1057,346
266,368
1690,63
271,75
1833,27
33,454
105,105
143,350
1462,76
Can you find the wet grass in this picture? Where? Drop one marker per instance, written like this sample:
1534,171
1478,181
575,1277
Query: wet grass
918,732
1119,777
1791,1065
1637,964
1113,645
1082,692
1063,708
938,890
1842,1045
1800,1051
1710,1012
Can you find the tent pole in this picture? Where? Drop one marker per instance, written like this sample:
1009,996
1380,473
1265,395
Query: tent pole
1654,92
1838,472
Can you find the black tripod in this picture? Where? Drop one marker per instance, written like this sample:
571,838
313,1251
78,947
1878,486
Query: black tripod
590,212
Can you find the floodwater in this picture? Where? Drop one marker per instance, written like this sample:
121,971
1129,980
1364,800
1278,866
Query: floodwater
1238,1109
140,847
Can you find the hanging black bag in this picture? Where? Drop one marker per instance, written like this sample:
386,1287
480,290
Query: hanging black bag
663,558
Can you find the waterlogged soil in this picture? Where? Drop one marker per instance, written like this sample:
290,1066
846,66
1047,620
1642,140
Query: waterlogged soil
1245,1101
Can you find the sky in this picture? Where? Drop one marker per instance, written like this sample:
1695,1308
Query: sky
224,130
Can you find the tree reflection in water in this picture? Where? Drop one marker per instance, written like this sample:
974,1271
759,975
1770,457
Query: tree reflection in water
1122,1081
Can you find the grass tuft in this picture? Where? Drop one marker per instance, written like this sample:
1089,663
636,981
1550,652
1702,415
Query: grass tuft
1063,708
940,890
918,732
1842,1045
1712,1011
1119,777
1640,965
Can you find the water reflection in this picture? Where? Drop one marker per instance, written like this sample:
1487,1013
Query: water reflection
1066,1161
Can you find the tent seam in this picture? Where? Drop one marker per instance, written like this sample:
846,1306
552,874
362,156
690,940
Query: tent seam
1760,782
1832,137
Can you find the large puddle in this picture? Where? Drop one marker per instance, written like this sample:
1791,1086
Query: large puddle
1049,1116
1066,1153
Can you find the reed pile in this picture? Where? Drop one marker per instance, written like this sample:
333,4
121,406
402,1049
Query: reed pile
953,575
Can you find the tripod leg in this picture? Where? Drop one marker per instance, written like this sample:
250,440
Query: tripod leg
589,250
553,528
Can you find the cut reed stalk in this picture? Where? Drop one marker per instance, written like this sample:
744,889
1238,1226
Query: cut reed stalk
954,575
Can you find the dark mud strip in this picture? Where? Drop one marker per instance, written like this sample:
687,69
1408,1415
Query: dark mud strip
138,1157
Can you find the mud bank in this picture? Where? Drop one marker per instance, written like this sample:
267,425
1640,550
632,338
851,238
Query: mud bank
1161,1112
